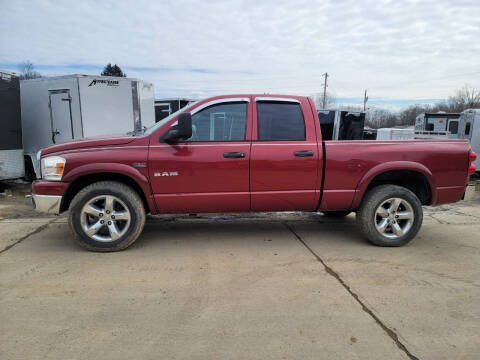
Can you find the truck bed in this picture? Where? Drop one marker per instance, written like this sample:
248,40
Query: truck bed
442,162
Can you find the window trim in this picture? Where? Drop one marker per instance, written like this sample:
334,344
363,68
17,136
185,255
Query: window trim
218,101
280,100
276,99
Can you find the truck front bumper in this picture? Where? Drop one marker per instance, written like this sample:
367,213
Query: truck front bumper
47,203
47,196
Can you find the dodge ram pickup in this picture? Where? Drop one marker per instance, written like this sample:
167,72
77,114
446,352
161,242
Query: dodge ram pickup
240,153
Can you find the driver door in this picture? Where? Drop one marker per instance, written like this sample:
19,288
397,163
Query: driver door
208,172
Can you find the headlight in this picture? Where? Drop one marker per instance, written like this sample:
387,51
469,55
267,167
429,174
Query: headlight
52,167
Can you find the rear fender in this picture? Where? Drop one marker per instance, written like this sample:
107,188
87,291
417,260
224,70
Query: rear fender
393,165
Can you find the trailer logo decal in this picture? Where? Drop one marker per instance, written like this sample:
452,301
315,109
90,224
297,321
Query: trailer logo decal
166,173
106,82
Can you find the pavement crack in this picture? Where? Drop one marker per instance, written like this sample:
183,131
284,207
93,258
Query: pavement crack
36,231
392,334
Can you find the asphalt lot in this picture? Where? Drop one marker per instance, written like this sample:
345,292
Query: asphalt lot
251,286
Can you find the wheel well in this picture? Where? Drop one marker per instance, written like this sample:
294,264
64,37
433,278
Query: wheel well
412,180
86,180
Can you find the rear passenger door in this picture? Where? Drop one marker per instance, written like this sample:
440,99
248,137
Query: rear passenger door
285,157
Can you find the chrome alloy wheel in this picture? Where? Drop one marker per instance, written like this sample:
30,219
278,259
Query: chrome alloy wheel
105,218
394,218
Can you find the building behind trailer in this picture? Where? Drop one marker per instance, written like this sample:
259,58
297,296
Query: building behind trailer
11,149
59,109
165,107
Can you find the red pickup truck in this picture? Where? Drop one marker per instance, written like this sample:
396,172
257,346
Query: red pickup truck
241,153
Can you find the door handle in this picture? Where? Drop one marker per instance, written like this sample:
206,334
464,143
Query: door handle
303,153
233,155
55,133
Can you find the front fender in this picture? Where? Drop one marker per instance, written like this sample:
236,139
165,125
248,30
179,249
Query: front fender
115,168
389,166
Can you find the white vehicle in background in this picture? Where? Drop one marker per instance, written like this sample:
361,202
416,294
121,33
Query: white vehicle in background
11,149
62,108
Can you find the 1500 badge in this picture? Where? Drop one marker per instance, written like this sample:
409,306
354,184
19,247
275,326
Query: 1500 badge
166,173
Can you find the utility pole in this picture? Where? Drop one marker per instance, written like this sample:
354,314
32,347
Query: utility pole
325,90
365,99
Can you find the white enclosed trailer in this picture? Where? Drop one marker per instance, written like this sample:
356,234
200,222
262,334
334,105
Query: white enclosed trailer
395,134
410,134
470,129
59,109
11,150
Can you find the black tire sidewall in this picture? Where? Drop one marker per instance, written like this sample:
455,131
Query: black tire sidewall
91,243
336,214
378,196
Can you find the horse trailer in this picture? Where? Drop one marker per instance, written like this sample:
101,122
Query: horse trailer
438,122
59,109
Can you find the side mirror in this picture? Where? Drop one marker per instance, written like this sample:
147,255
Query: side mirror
181,131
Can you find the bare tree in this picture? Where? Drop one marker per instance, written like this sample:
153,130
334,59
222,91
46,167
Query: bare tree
27,71
464,98
330,100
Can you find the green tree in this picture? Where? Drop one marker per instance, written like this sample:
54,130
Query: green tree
113,70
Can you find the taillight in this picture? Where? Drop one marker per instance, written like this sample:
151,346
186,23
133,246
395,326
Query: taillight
471,158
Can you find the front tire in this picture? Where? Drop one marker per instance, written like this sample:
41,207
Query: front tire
390,215
106,216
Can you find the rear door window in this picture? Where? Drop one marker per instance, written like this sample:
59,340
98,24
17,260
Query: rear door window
278,121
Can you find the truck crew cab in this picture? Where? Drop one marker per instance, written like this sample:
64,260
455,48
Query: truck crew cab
241,153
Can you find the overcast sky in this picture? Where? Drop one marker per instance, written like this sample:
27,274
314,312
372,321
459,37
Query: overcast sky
401,51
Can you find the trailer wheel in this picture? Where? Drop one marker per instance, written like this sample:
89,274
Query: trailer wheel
336,214
106,216
390,215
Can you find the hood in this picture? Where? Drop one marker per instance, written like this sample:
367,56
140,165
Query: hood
94,141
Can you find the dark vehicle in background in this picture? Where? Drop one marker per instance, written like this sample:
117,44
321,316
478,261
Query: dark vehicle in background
166,107
11,148
342,124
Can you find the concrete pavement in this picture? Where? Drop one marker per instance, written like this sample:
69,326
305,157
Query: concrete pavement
267,286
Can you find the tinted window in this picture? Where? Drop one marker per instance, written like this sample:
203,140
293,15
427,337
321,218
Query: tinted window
222,122
280,121
453,127
467,129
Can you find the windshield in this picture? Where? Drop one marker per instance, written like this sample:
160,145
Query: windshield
162,122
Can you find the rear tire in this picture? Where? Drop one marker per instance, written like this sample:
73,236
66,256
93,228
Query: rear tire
390,215
106,216
336,214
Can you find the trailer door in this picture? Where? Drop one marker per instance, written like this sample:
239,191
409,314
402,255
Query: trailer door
61,115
